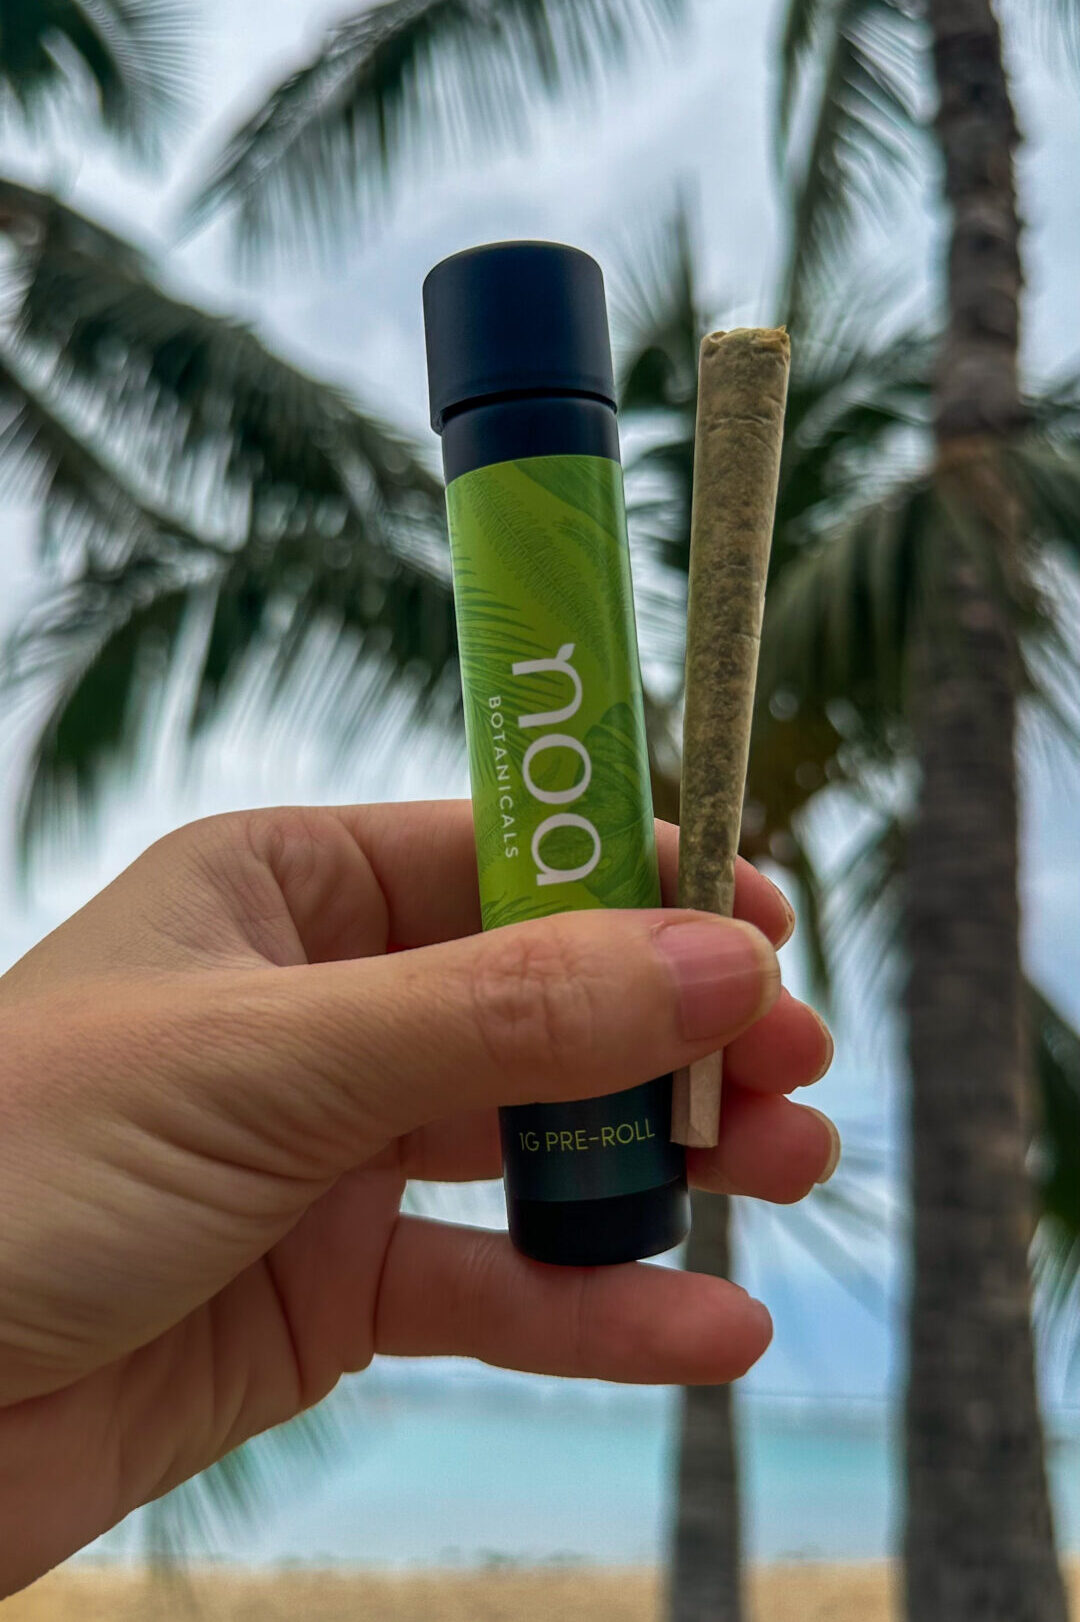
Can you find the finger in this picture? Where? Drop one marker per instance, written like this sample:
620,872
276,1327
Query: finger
338,1058
769,1148
757,899
788,1047
466,1292
355,879
462,1149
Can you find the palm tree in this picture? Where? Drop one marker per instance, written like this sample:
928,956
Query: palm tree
978,1532
186,471
287,510
402,84
846,398
186,474
978,1491
849,580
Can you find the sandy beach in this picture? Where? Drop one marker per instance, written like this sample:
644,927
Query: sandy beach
808,1593
856,1593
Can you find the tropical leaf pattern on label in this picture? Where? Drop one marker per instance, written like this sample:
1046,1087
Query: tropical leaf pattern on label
626,874
541,565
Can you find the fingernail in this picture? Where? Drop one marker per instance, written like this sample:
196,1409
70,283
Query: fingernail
789,917
764,1316
726,973
830,1048
835,1146
756,1307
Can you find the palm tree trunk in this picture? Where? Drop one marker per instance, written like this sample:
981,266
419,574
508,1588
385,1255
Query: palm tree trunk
979,1540
705,1570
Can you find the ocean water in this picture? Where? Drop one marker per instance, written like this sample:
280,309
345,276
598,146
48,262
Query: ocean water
438,1469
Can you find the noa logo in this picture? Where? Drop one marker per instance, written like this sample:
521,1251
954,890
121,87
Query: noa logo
550,741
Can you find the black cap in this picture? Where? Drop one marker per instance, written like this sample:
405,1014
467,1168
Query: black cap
515,316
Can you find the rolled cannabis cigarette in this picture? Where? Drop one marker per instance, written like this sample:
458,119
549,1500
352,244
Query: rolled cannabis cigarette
742,391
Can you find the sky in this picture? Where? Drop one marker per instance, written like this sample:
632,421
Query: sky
697,117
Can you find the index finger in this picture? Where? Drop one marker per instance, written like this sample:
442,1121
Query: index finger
424,858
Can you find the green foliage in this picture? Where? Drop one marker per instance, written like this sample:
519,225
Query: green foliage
233,1493
854,99
852,91
657,318
121,61
408,82
657,321
1055,1164
1057,1134
189,384
859,532
186,471
844,567
1056,25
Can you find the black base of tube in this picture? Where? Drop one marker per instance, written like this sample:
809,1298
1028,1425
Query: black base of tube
599,1233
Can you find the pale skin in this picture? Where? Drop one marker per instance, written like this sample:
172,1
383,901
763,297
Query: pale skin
215,1080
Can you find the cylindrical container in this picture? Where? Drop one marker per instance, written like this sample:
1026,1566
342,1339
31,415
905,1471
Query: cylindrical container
519,369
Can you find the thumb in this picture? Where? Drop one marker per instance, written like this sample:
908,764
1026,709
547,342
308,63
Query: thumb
337,1059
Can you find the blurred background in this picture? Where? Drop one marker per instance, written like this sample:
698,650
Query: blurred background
225,583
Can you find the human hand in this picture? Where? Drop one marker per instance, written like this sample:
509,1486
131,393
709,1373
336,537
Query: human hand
214,1084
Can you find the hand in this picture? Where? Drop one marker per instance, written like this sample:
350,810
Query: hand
214,1083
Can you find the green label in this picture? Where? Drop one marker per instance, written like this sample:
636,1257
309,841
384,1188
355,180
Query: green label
559,766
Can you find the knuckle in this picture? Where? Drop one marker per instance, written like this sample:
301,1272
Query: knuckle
288,836
535,1000
267,834
207,848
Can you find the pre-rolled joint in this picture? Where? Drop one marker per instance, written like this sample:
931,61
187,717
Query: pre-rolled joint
742,392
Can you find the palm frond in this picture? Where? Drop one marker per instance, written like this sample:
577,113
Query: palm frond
88,508
1055,1168
121,61
839,622
1057,1049
829,1226
95,642
657,317
184,386
657,322
857,420
859,65
853,509
811,914
102,647
411,82
1050,682
804,23
185,469
856,445
1042,467
852,501
849,906
352,619
1055,25
186,1525
1045,465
